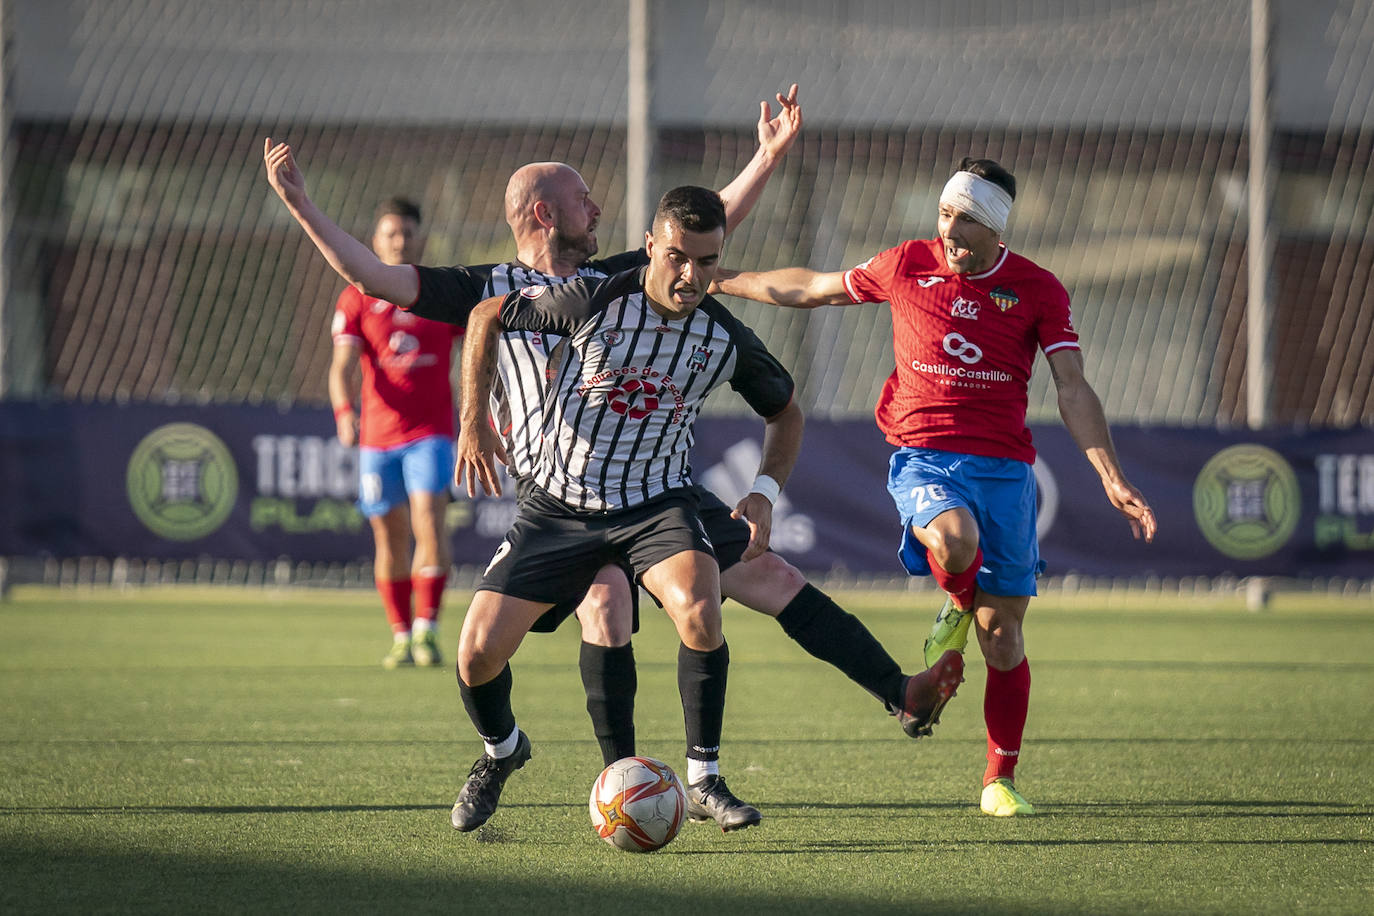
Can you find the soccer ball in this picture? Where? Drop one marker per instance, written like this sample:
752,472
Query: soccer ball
637,804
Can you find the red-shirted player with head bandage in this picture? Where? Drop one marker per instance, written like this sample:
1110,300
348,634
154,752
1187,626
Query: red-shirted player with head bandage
968,317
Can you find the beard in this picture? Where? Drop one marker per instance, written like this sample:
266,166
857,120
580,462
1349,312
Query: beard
574,248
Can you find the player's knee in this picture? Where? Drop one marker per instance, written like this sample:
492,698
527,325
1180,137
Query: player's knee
778,576
605,624
698,625
765,584
953,548
1002,644
476,665
479,657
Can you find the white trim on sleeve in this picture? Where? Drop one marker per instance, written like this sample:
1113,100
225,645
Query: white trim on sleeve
849,288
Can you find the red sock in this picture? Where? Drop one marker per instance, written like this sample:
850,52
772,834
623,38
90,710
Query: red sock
396,600
1005,702
429,593
960,586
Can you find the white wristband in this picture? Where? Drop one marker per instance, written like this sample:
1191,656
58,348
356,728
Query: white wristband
766,487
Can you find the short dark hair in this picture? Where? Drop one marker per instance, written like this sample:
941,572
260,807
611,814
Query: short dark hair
991,170
403,207
694,209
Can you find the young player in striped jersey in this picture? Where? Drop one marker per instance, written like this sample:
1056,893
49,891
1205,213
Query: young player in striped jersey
968,317
644,350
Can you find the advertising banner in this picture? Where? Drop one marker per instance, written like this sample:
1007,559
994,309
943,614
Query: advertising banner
261,483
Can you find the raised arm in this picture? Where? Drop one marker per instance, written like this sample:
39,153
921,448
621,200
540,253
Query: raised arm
775,138
782,438
1086,422
796,287
350,258
478,441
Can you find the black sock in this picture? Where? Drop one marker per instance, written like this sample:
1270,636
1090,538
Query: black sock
701,683
608,676
488,707
832,634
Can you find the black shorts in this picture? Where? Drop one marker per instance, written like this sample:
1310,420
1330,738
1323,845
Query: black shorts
729,536
553,618
552,552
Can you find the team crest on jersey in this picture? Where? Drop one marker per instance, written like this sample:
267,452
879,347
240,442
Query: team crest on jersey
401,342
635,399
1004,297
611,337
700,358
533,292
964,308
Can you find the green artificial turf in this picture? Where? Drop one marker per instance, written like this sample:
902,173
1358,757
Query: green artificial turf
178,750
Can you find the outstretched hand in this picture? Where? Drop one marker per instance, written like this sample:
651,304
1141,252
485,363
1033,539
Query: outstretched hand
776,134
1131,503
479,448
757,513
282,173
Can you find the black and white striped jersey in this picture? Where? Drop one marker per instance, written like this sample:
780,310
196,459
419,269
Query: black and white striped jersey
623,400
450,293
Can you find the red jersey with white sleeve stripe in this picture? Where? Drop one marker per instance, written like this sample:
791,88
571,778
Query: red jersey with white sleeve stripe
964,344
405,359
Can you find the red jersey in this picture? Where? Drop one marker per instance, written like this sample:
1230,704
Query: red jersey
964,346
405,361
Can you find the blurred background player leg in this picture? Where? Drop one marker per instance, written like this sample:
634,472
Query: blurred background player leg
392,574
390,523
428,468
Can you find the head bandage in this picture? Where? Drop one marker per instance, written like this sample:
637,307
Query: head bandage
986,202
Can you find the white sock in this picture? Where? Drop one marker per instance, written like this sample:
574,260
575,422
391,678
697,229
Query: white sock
422,625
505,748
401,636
697,770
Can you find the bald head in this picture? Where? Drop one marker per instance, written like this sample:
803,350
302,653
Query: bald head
535,182
551,213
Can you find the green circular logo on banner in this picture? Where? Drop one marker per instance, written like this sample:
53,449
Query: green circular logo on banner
1246,500
182,481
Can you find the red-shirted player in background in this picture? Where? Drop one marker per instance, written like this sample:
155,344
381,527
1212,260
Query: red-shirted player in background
967,319
405,432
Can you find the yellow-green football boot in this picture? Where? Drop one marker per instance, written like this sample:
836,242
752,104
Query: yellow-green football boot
399,655
949,632
1000,799
424,649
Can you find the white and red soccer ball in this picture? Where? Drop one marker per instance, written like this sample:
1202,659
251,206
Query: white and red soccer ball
637,804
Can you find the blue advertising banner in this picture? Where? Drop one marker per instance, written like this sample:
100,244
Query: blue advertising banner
259,483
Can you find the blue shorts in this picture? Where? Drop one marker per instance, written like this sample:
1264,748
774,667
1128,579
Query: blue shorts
386,476
998,492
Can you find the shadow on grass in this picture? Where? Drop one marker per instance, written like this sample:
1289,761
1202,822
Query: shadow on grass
1089,809
8,810
1039,842
1162,809
57,878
